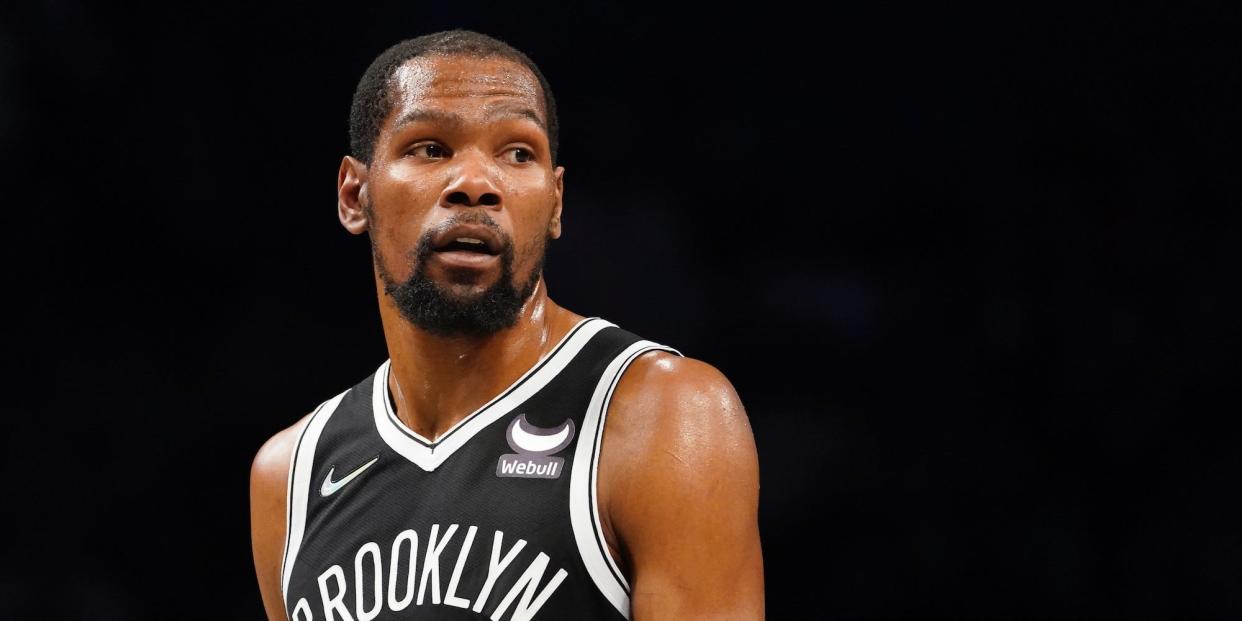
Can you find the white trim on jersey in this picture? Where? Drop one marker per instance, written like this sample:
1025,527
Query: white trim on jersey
301,463
584,481
427,454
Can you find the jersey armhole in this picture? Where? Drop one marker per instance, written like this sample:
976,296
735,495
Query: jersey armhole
297,489
583,484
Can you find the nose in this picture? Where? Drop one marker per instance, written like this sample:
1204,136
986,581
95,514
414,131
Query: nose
472,182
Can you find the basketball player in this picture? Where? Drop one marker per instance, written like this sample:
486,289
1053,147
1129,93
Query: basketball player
512,459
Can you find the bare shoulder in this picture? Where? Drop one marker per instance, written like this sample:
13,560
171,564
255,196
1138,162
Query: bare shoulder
269,475
665,402
271,463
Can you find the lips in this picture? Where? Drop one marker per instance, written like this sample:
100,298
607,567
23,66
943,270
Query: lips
471,238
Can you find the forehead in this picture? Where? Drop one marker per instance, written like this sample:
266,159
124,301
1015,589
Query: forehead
459,83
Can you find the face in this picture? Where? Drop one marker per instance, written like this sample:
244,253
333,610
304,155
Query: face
460,198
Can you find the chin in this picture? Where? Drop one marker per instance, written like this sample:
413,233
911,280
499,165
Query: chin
463,292
464,284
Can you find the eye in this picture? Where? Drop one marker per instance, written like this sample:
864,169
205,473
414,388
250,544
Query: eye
429,150
520,155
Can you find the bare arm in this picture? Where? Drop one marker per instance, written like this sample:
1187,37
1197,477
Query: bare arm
679,489
268,481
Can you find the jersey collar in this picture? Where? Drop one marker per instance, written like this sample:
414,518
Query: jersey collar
428,454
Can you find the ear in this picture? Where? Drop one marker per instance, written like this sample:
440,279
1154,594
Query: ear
351,187
554,227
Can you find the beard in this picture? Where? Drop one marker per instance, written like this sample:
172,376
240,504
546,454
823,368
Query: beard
427,305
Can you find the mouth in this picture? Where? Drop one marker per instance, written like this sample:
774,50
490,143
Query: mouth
467,245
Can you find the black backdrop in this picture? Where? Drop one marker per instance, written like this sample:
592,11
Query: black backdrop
972,271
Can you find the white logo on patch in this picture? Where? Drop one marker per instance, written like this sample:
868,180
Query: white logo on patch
526,438
534,447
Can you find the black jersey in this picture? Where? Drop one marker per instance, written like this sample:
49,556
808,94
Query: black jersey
496,519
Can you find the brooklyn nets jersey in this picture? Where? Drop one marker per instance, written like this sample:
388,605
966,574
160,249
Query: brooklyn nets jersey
496,519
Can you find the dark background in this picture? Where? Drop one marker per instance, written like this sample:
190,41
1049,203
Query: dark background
972,272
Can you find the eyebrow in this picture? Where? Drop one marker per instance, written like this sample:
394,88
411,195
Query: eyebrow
453,119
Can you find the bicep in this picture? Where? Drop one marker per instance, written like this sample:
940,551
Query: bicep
686,507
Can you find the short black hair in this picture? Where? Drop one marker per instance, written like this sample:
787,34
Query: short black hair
372,103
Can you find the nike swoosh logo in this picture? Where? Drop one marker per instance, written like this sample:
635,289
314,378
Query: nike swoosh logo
331,487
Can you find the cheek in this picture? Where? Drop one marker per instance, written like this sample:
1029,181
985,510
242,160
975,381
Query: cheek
403,188
533,207
529,252
395,238
406,193
407,176
393,255
401,202
530,205
533,185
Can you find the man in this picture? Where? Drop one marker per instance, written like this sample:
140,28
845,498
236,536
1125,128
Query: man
512,459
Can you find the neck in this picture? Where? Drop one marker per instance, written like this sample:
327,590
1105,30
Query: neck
436,381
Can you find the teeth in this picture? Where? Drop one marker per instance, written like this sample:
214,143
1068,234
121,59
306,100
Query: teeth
469,240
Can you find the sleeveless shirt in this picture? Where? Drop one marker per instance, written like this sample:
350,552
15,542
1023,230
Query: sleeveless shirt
495,519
